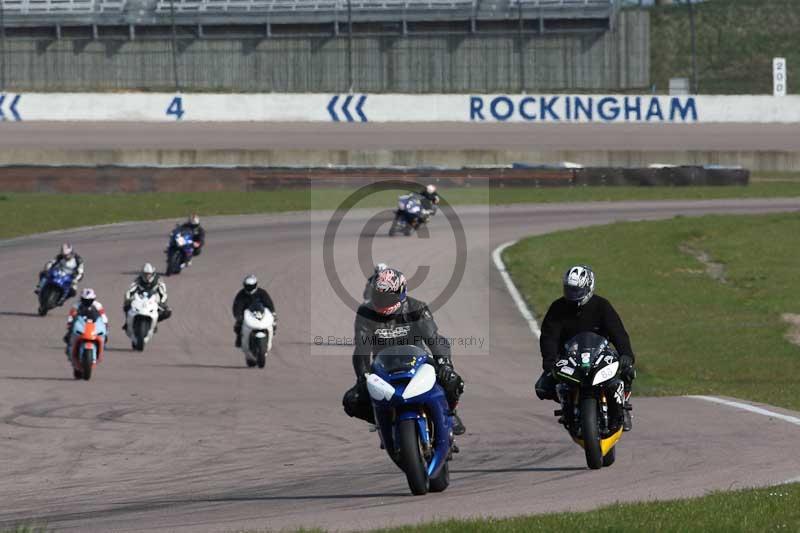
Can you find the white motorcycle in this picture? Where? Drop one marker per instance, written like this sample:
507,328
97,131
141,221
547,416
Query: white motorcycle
142,319
258,328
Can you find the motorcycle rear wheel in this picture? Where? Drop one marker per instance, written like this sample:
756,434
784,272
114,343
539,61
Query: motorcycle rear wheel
591,433
411,459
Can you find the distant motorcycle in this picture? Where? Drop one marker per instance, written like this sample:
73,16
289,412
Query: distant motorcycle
142,319
56,289
180,250
258,329
591,396
87,342
412,416
410,214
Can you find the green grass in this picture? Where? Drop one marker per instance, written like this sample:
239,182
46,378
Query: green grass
691,333
34,213
736,41
769,509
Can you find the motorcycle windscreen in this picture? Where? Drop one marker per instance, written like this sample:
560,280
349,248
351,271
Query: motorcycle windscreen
399,359
586,347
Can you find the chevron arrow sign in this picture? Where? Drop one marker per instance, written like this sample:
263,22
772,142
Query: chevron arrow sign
349,108
8,107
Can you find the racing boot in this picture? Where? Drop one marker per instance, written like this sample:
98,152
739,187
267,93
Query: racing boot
627,423
238,342
458,425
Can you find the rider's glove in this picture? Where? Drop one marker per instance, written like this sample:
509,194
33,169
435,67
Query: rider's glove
626,363
449,379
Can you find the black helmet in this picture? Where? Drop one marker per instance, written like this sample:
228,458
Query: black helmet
250,283
388,291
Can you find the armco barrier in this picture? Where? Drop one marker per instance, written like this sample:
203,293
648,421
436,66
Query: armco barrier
356,108
110,179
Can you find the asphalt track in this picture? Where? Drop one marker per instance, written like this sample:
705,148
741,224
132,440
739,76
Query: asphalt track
184,438
398,136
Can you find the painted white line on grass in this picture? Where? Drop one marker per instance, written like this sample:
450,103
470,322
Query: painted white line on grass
497,257
750,408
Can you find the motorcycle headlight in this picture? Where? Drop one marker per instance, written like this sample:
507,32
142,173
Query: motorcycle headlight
422,382
378,388
606,373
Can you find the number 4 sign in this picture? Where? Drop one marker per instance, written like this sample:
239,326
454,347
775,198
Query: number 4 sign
175,108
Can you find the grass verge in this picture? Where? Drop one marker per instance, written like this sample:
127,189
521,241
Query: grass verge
35,213
692,333
755,510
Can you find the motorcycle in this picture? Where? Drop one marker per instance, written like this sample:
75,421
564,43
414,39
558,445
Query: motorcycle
56,290
180,250
258,329
412,416
592,397
410,215
142,319
87,343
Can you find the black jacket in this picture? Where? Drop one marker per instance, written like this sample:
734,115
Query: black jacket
244,300
198,233
411,324
565,319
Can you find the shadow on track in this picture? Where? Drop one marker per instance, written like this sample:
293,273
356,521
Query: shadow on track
512,470
195,365
17,313
36,378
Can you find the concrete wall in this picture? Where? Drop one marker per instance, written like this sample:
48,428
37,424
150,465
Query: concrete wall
753,160
617,60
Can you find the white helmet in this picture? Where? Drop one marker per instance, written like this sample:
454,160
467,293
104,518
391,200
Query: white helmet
66,249
380,266
250,283
579,284
194,219
430,189
148,273
88,297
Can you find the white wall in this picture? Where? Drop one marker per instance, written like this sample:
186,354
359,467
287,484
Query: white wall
156,107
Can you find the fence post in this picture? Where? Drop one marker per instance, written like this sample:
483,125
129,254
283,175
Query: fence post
174,46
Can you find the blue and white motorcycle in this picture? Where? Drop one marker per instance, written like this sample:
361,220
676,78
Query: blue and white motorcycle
410,214
57,287
180,250
412,416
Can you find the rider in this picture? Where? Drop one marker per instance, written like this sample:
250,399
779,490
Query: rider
429,193
247,296
371,279
68,260
88,306
198,233
430,199
150,282
389,318
579,310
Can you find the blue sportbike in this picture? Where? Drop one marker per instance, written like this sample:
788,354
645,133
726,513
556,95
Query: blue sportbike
412,416
57,288
180,250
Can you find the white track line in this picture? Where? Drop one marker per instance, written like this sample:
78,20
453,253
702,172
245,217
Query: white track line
751,408
524,310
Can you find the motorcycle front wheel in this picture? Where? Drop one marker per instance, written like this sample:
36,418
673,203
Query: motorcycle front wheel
411,458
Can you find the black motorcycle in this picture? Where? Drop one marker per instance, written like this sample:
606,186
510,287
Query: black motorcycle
592,396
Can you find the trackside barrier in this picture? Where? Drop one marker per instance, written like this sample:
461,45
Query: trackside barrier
105,179
359,108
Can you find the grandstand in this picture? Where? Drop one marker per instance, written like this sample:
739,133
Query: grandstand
229,18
